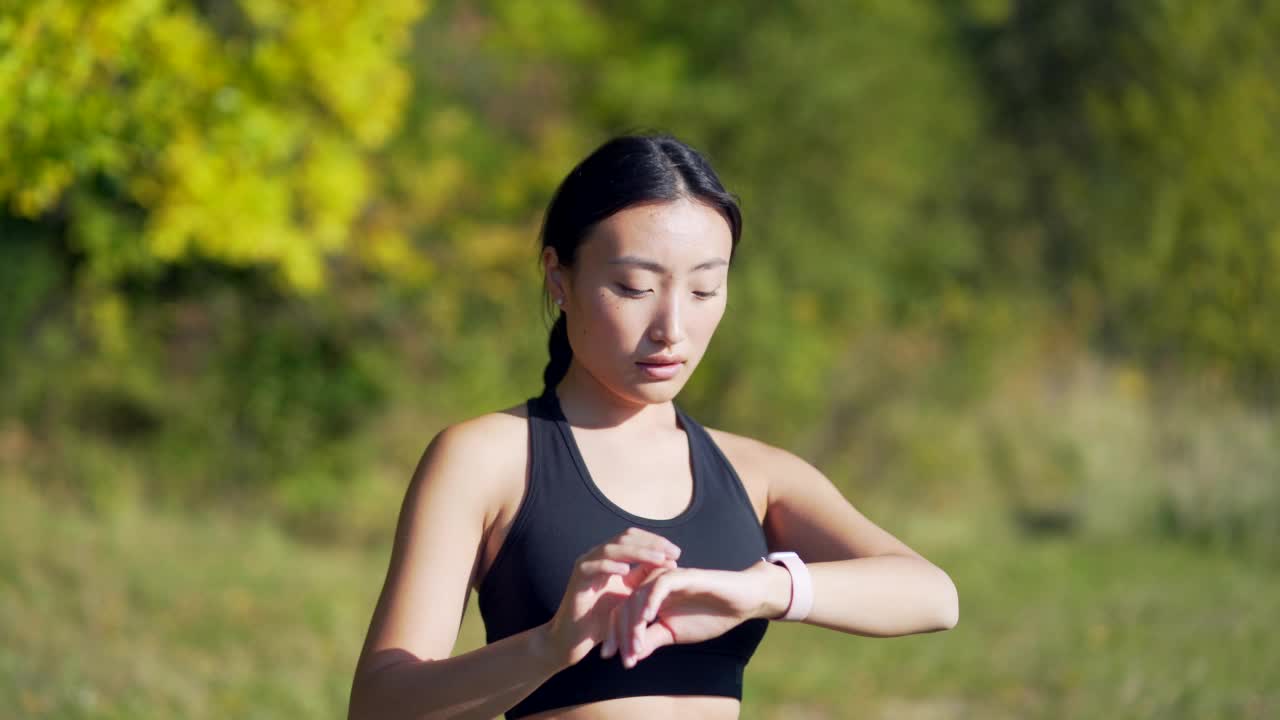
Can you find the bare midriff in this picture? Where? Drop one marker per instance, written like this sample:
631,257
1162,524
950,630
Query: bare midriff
676,707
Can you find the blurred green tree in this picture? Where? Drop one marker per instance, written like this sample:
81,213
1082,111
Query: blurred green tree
1143,134
242,226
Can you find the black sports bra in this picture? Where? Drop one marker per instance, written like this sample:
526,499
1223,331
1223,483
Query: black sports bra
563,514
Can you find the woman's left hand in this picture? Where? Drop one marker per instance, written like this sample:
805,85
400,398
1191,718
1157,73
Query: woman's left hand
681,605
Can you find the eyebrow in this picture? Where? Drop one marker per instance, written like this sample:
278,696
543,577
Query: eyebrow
659,268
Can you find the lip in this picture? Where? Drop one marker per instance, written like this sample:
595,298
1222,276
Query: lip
660,370
661,360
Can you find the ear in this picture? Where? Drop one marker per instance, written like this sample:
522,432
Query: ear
554,273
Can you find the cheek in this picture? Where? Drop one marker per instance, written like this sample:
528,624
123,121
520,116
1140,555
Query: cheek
610,317
706,319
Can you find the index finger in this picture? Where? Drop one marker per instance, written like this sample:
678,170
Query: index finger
646,538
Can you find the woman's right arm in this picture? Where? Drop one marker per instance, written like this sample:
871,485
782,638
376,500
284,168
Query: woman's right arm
405,670
483,683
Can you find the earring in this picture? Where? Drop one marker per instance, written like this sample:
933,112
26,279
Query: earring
560,301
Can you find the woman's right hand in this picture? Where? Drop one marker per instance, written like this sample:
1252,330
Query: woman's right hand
602,578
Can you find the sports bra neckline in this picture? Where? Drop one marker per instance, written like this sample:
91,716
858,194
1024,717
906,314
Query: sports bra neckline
584,474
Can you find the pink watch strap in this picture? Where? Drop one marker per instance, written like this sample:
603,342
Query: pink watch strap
801,585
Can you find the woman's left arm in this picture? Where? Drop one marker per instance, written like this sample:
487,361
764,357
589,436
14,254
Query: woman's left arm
865,580
878,596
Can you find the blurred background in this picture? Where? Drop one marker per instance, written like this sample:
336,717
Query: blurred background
1009,277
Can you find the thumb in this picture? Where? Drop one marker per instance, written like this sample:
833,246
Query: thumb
655,636
597,583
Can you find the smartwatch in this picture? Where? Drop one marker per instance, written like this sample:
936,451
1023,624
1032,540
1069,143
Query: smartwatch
801,585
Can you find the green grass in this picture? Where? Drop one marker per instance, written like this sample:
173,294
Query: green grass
1054,629
141,613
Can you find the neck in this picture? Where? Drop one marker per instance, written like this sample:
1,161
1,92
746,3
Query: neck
587,403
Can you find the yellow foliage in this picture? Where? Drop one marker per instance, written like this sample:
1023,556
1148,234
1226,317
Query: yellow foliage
389,252
433,184
351,71
332,187
250,147
50,181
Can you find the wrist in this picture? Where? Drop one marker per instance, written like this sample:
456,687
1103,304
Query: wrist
542,647
775,583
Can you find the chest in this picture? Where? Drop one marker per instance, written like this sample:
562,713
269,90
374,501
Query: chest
655,481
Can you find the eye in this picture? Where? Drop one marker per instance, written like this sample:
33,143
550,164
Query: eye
630,291
708,294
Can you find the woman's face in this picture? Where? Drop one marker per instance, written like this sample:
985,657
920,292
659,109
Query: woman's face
645,294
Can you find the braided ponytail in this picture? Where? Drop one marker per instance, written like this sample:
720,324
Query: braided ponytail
561,353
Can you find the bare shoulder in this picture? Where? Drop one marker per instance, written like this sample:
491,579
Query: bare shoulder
475,439
487,457
761,466
482,452
801,509
748,452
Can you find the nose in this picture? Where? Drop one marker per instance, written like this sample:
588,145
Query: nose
667,327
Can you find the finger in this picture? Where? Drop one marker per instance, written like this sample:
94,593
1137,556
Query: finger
636,604
634,553
597,582
640,598
638,575
614,650
633,637
637,634
655,636
610,643
591,568
644,538
661,589
635,620
624,638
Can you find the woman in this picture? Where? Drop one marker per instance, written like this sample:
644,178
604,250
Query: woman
617,546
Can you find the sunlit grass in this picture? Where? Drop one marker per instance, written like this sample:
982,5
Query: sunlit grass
1055,628
136,614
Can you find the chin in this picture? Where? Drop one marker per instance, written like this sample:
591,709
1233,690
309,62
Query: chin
655,392
632,385
655,396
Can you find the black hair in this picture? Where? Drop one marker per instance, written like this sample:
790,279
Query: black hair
626,170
